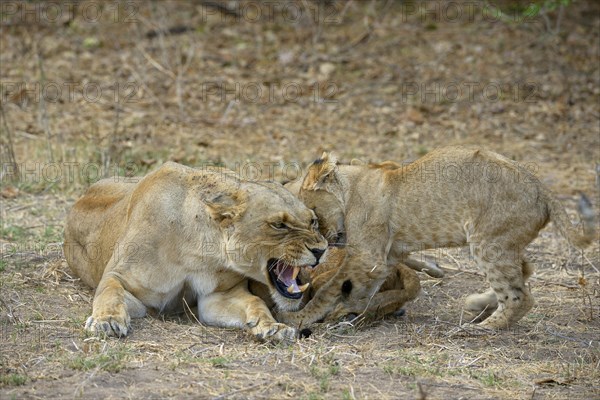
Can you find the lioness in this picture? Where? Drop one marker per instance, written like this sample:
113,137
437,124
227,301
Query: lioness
453,196
197,235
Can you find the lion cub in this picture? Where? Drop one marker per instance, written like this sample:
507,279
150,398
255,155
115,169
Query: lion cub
400,287
453,196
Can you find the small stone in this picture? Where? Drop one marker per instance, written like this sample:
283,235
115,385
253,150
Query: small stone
326,69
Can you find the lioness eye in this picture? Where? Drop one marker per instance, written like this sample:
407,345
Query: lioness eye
279,225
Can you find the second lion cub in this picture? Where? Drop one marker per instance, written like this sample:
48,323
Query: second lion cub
453,196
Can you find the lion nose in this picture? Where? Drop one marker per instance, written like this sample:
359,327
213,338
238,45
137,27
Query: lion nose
317,253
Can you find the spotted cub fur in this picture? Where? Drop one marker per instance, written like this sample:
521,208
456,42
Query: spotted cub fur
453,196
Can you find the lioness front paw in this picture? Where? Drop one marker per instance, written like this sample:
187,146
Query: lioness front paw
109,325
274,331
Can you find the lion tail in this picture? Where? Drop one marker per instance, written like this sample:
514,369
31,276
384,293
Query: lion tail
560,218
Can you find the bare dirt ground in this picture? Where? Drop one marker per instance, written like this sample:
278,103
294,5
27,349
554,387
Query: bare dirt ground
93,89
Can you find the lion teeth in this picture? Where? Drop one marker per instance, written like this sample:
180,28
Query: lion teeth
304,287
296,272
294,288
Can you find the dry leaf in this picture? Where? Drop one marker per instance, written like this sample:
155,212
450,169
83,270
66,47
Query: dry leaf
554,381
9,192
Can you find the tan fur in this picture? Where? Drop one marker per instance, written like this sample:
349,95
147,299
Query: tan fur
399,288
185,234
453,196
427,266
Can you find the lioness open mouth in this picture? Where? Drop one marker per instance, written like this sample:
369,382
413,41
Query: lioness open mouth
285,278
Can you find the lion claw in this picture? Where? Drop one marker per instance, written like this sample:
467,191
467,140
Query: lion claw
109,327
275,332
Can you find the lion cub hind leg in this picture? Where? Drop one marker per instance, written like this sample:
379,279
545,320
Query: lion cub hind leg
113,308
507,279
481,305
238,308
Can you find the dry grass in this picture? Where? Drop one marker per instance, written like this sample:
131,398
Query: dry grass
362,67
553,352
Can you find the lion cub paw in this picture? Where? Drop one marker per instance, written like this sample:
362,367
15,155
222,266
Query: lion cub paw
476,329
110,325
275,332
288,317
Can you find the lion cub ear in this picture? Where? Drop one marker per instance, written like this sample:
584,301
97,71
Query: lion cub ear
318,172
227,207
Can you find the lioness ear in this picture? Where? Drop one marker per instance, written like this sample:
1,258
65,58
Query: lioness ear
318,172
227,207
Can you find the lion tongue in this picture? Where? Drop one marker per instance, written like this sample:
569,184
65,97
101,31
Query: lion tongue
288,276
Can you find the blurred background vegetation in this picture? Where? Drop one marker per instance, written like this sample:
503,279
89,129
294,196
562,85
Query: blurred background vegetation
93,89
